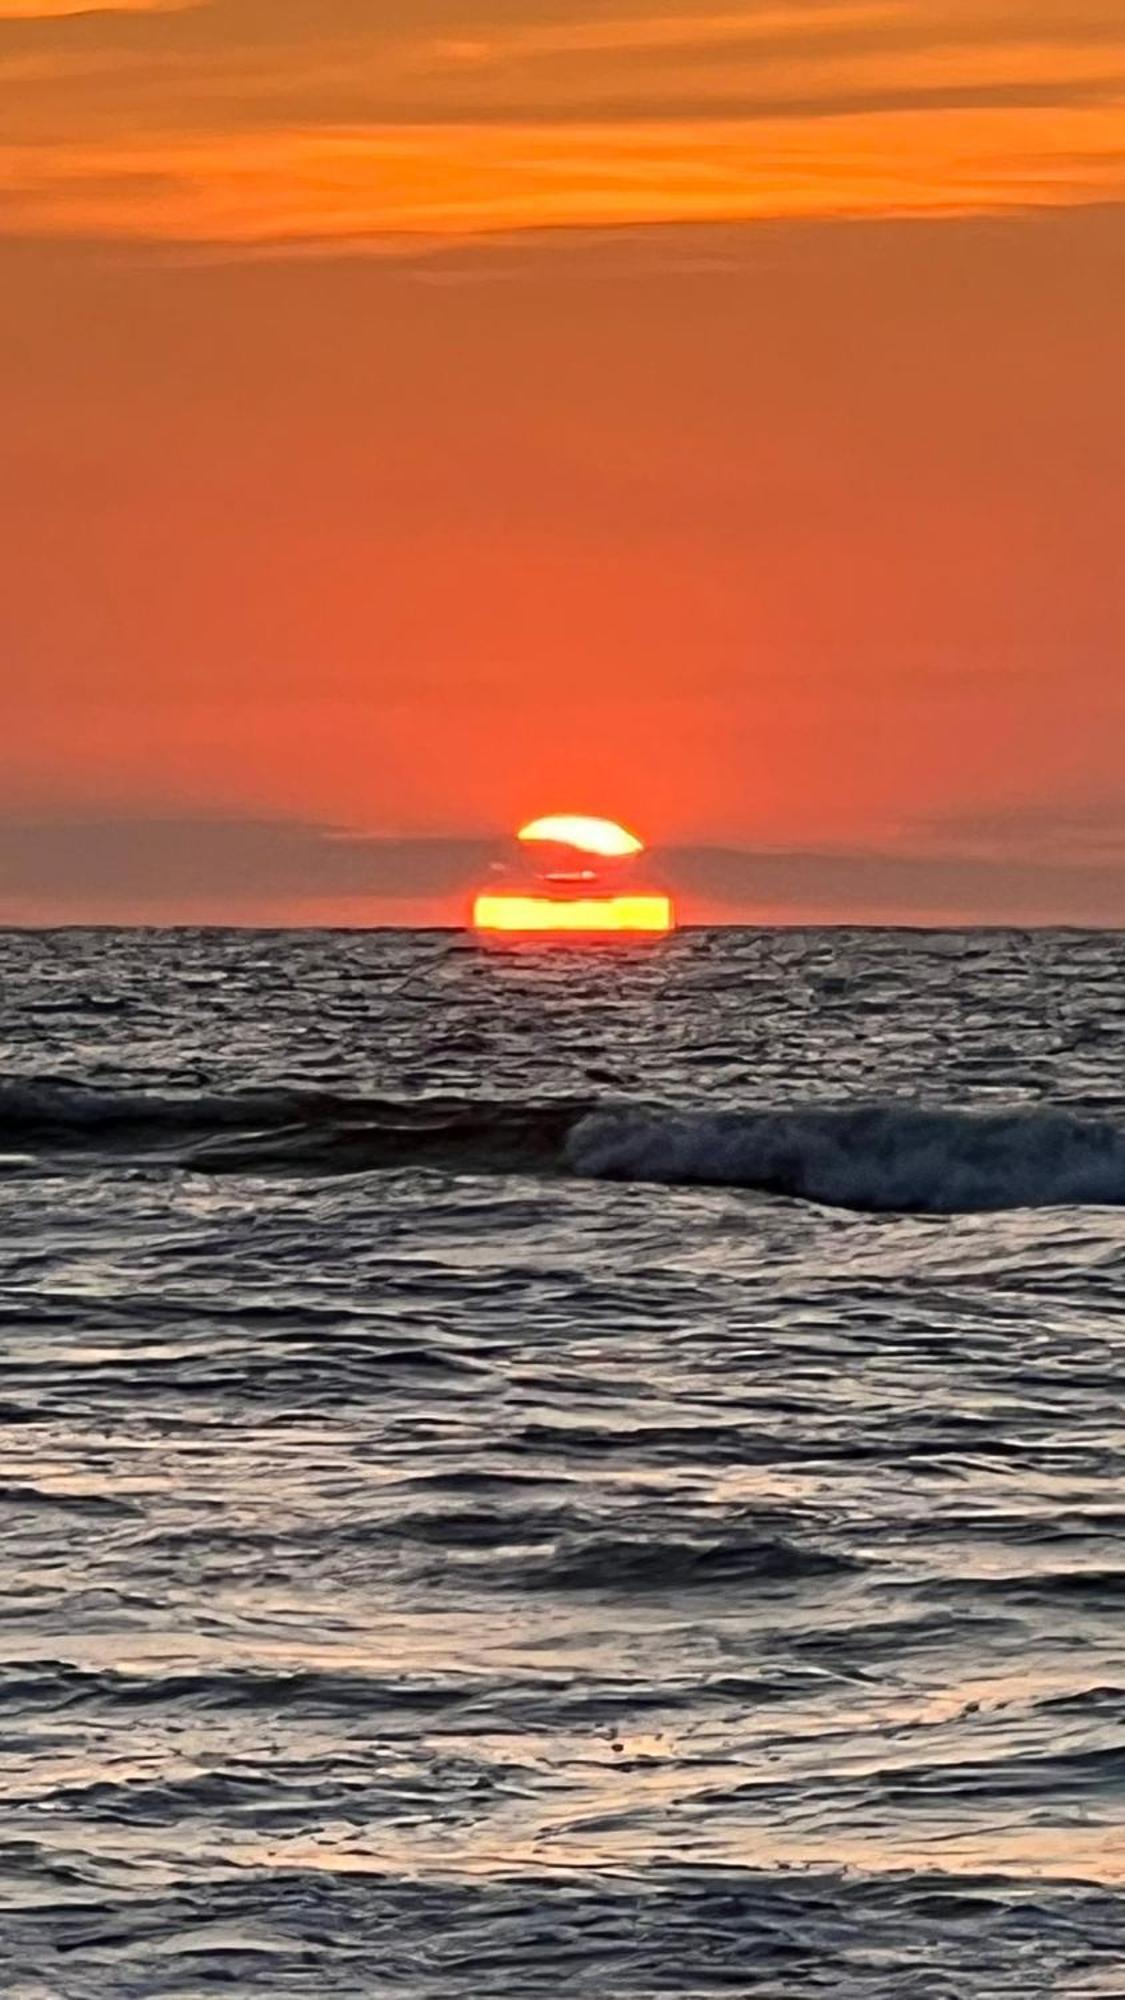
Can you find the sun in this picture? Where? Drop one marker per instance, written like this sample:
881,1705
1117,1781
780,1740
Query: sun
573,875
603,837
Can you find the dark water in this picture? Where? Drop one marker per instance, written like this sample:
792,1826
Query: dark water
554,1472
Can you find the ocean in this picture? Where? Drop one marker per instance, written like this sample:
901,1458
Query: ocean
542,1471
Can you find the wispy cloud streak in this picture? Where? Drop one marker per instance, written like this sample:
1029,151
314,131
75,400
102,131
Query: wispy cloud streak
239,123
438,182
61,10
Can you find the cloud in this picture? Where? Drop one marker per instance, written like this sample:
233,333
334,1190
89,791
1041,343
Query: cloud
245,123
96,859
1089,832
68,866
440,182
60,10
851,887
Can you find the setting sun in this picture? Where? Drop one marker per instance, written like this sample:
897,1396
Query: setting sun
602,837
575,876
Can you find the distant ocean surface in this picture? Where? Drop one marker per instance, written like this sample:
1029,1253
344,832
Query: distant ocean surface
550,1471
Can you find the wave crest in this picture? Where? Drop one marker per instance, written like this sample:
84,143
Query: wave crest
879,1158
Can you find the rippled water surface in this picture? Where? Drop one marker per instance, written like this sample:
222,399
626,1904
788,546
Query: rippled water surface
553,1471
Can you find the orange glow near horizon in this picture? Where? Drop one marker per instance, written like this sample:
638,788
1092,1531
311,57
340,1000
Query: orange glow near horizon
532,915
602,837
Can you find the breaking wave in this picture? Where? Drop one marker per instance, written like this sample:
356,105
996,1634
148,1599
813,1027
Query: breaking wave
879,1158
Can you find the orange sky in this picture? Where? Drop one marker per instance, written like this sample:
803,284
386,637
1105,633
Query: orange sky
419,417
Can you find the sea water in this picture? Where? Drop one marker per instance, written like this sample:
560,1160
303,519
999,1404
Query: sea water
556,1470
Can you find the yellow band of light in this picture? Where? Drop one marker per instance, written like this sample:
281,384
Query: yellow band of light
538,914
